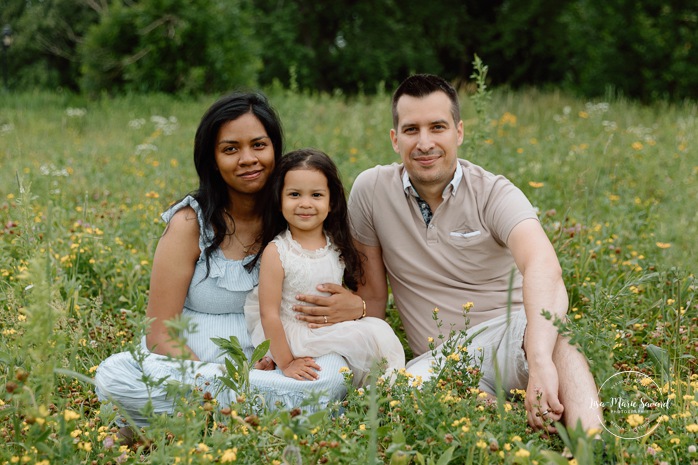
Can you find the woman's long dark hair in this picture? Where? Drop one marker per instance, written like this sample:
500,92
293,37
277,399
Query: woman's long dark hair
212,194
336,225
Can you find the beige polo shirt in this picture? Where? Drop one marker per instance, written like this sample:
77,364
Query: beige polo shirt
460,257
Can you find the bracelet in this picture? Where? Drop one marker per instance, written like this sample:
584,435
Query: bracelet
363,312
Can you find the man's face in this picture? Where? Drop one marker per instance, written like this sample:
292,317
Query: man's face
427,139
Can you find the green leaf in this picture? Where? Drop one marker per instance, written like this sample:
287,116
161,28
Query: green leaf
446,457
229,383
660,357
220,342
554,458
317,418
260,352
230,368
399,436
564,435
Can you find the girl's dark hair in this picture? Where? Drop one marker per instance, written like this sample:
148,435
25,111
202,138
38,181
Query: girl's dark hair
336,224
212,194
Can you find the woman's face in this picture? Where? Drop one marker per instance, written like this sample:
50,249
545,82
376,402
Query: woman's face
244,154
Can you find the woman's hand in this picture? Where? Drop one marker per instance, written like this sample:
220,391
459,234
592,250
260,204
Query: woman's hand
303,368
341,306
265,363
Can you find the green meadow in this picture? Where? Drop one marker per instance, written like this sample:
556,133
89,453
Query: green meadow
83,183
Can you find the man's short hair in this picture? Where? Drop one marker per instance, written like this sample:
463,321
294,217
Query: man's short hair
421,85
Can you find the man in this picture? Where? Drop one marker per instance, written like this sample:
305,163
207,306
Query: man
447,232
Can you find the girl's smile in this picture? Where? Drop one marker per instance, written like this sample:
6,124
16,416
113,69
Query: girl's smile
305,201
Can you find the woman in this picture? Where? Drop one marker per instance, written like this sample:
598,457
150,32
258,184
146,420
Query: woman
199,273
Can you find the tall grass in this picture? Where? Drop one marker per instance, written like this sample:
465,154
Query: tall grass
81,188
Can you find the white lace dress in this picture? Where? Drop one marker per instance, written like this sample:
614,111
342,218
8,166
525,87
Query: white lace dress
362,342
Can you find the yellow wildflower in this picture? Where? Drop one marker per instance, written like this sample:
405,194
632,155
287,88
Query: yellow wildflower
86,446
69,415
230,455
635,420
202,447
508,118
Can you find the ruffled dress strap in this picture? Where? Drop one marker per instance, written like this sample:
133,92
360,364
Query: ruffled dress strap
228,274
205,230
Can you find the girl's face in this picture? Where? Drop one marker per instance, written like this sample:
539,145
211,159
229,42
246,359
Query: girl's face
305,200
244,154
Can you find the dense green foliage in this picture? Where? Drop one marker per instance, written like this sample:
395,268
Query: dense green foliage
642,50
84,181
169,46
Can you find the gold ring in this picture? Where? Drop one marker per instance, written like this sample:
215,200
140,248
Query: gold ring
325,317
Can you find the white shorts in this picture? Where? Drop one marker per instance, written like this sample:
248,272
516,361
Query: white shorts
499,344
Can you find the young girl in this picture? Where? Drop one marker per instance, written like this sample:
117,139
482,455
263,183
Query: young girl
306,241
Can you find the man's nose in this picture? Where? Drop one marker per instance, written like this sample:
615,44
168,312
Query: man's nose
425,142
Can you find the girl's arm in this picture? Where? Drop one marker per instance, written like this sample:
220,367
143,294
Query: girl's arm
271,278
173,268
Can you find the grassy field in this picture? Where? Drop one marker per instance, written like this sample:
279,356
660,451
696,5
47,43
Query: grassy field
83,183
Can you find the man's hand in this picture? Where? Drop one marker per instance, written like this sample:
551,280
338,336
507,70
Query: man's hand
341,306
303,368
542,403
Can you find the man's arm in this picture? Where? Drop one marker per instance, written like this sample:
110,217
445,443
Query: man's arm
374,287
543,289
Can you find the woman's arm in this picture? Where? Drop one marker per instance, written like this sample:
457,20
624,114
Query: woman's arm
271,278
173,267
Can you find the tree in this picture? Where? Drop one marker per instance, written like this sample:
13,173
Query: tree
171,46
46,36
644,50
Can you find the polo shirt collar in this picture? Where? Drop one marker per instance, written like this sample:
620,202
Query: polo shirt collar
452,186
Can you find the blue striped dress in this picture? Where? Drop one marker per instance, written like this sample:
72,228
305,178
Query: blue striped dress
214,308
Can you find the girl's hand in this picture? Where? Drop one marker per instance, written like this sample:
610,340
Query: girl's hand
265,363
342,305
303,368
